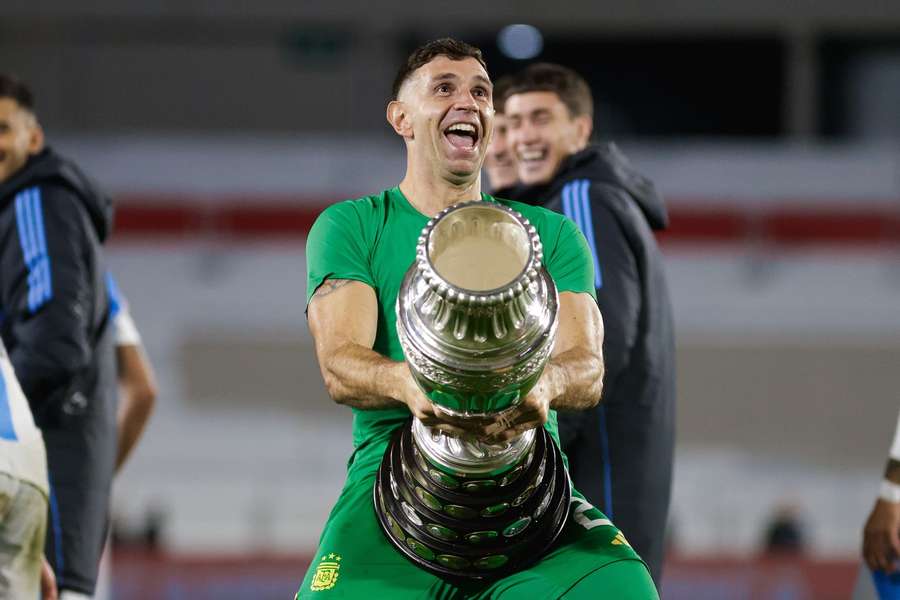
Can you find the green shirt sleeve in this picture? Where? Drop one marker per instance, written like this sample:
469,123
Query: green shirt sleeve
568,259
336,249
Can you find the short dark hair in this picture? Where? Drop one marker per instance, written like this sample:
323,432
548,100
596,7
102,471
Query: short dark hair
571,87
421,56
501,92
14,88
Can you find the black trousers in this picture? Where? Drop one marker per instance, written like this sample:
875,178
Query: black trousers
80,459
620,458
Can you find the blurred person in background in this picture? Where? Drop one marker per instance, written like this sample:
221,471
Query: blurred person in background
785,534
137,382
137,396
24,571
499,163
620,452
881,535
57,328
358,252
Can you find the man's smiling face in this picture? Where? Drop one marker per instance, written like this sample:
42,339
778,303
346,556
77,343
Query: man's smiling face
450,115
542,133
20,137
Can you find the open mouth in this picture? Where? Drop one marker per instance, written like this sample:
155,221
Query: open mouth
532,156
463,136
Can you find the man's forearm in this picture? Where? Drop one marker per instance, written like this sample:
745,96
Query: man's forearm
134,413
362,378
575,379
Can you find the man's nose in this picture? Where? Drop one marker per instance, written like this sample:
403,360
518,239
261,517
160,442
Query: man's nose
466,101
522,134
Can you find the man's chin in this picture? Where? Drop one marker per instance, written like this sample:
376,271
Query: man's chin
535,177
464,168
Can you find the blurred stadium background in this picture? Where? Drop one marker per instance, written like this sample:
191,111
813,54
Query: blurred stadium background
222,128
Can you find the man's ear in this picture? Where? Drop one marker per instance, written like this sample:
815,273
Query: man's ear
584,127
35,138
399,119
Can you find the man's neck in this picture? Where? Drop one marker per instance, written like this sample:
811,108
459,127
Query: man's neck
429,193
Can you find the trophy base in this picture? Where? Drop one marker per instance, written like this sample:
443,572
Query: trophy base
471,528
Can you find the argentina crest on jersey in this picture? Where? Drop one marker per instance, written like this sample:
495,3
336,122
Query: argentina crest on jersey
327,572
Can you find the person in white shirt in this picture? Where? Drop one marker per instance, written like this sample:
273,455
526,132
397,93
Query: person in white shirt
137,384
24,493
881,535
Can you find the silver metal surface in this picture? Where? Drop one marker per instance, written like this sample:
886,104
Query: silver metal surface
477,319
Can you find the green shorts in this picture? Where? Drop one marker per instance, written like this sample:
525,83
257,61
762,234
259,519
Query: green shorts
591,559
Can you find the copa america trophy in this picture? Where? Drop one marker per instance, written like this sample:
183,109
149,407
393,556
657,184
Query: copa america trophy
477,319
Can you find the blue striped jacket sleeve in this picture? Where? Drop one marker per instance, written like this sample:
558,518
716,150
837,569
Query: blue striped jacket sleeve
49,296
617,276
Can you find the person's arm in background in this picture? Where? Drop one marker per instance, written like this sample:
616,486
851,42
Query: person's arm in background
616,282
49,590
616,278
137,384
881,535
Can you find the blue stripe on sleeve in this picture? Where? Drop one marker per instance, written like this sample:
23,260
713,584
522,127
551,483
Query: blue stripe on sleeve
112,292
588,229
567,203
22,225
35,284
577,206
46,284
56,532
7,430
32,237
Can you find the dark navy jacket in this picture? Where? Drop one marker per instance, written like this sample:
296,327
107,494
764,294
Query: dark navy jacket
53,298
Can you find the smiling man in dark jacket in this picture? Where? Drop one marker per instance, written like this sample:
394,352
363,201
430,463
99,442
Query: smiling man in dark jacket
54,320
620,453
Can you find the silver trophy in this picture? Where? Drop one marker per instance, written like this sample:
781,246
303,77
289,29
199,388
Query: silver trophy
477,320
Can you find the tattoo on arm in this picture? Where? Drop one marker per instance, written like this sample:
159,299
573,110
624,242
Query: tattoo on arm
329,286
892,470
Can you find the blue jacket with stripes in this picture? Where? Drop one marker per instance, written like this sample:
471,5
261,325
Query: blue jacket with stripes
54,305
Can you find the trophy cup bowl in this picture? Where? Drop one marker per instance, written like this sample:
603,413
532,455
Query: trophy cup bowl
477,319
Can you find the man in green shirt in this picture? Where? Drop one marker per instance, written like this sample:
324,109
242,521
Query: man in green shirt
357,253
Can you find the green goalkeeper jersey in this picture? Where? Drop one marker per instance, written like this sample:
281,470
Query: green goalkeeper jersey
373,240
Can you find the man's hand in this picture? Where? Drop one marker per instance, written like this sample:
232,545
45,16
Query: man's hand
881,536
532,412
468,428
48,581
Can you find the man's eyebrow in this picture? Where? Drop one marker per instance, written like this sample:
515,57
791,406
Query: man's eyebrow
484,80
445,77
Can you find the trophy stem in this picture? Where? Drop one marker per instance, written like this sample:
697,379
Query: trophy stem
470,458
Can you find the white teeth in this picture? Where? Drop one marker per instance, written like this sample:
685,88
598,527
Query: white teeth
532,155
462,128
